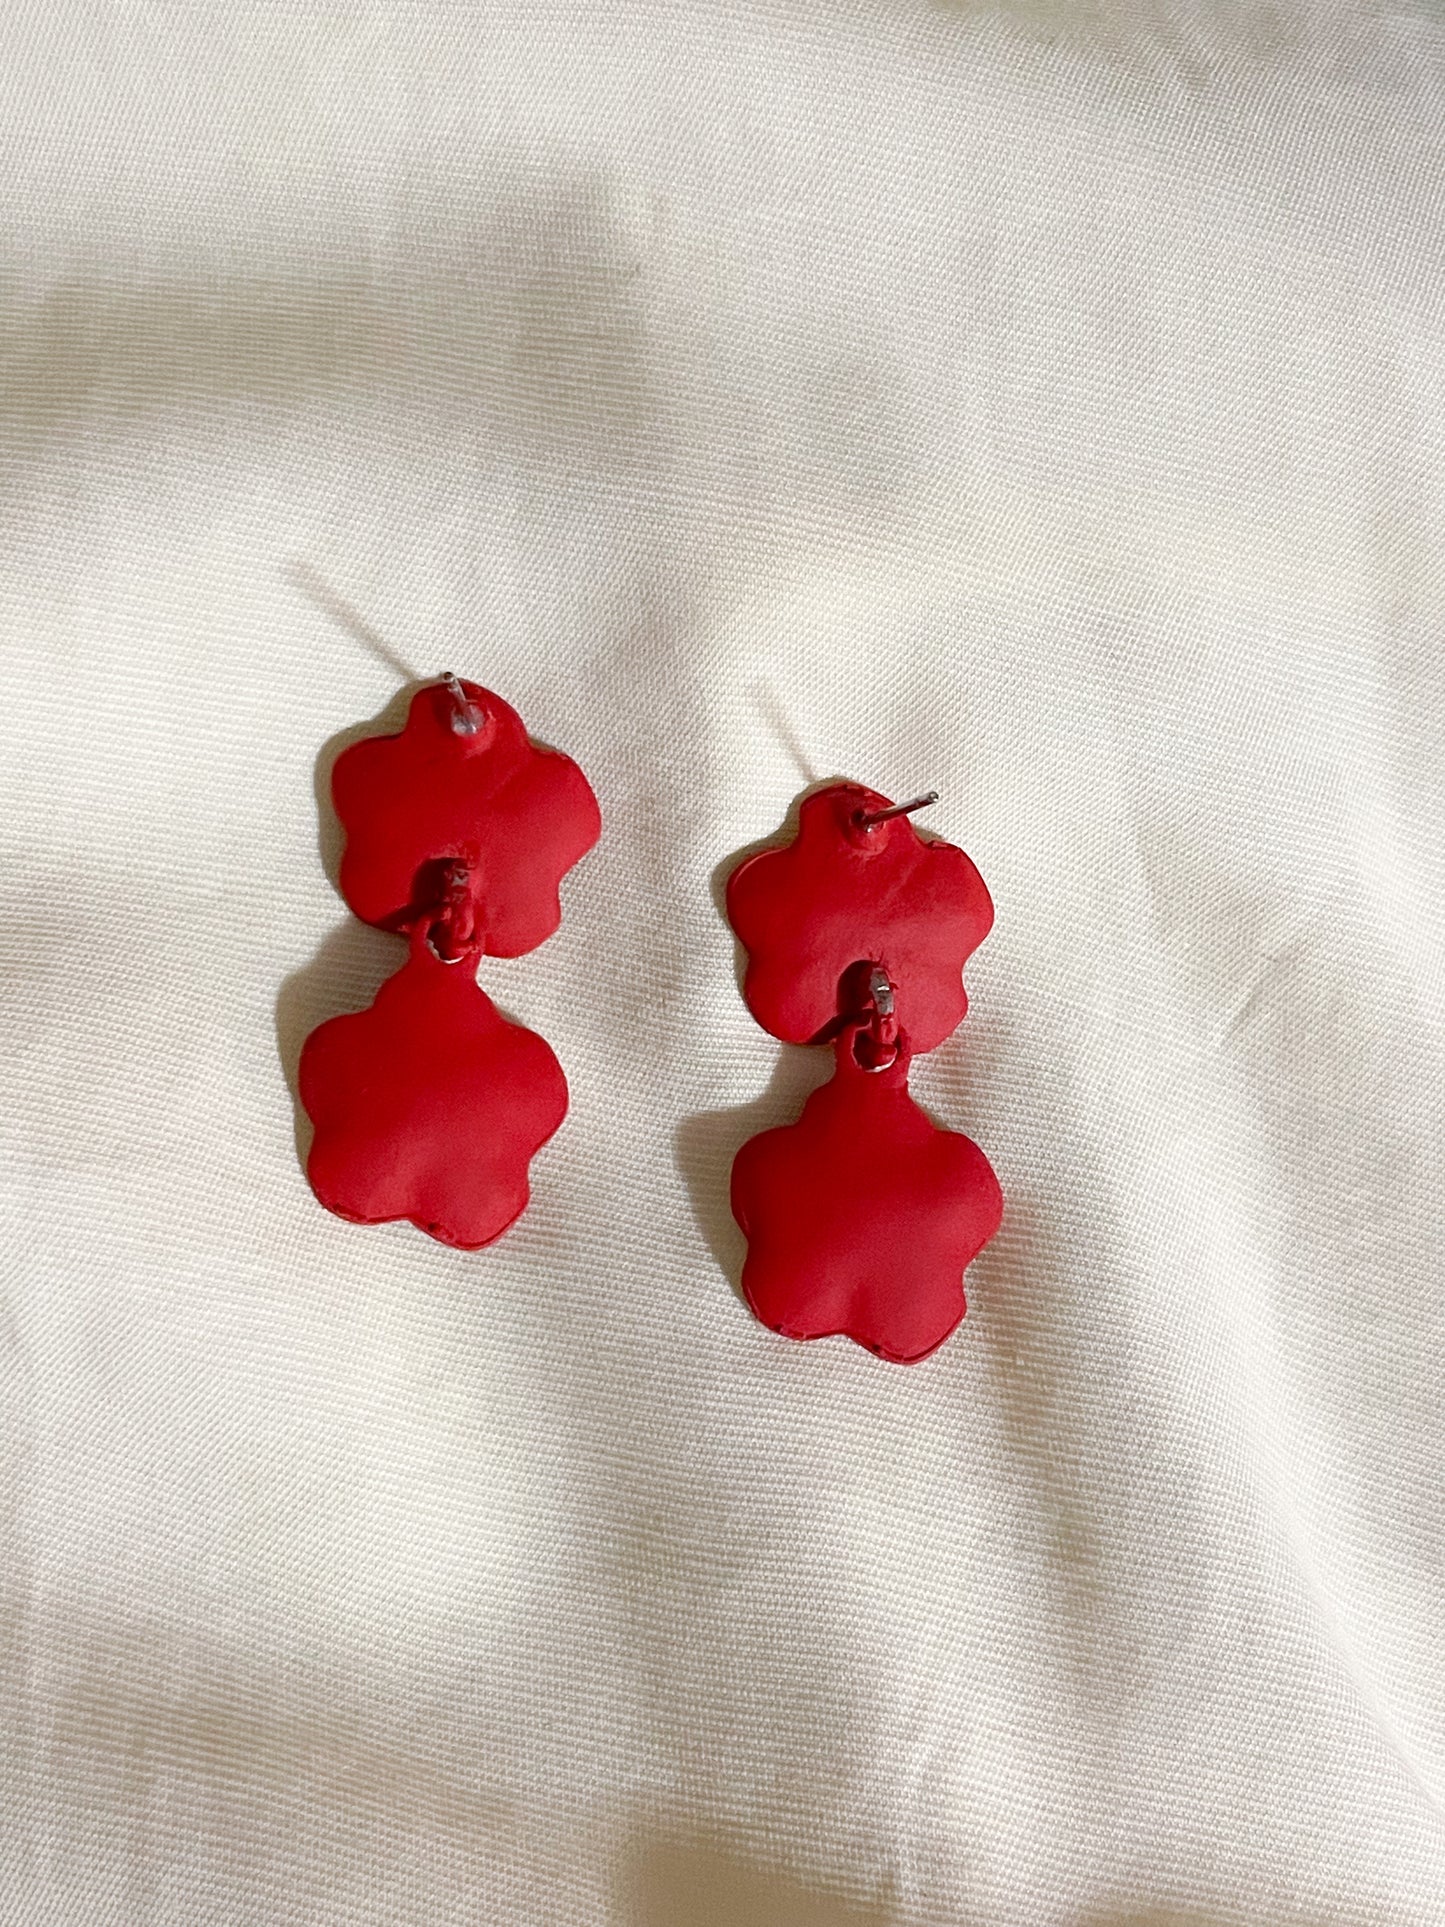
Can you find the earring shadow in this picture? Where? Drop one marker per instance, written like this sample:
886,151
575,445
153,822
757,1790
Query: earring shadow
306,577
785,833
705,1144
352,961
349,967
330,837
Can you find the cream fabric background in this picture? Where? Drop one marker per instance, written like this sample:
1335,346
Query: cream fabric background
1042,402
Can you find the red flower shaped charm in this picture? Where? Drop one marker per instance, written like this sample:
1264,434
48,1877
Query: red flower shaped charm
430,1105
844,895
517,815
862,1217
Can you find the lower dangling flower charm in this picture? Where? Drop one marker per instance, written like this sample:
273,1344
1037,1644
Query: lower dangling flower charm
862,1217
430,1105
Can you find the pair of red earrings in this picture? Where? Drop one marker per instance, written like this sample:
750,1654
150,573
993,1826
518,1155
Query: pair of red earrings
430,1105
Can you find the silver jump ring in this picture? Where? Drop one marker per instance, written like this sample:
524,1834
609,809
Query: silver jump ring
438,954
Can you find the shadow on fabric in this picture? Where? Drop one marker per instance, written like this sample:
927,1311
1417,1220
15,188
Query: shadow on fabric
353,960
699,1884
1162,1917
706,1143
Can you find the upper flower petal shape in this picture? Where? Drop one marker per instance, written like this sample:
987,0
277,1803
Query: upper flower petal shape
518,815
842,895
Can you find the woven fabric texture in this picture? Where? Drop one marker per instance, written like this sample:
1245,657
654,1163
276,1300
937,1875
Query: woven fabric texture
1039,402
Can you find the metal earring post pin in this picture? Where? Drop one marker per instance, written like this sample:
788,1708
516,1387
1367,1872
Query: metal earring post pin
870,819
468,717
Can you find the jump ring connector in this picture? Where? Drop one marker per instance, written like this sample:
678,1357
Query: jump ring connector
454,910
880,1027
880,989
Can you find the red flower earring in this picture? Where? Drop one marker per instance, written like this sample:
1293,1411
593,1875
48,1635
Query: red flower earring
862,1217
430,1105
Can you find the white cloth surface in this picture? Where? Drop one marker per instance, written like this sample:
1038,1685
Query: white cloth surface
1041,402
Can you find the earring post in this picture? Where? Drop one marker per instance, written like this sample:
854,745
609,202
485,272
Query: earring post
468,717
870,819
